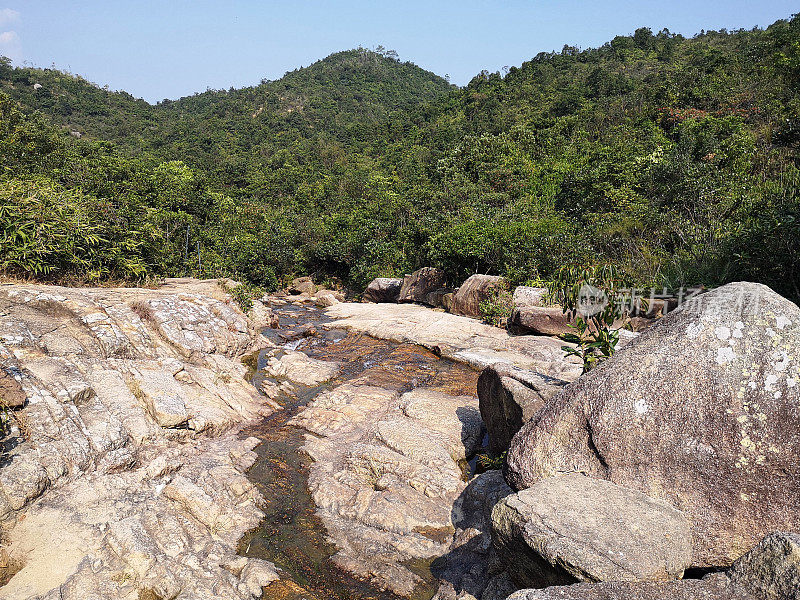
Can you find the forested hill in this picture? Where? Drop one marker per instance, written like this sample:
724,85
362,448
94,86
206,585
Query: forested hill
353,98
674,158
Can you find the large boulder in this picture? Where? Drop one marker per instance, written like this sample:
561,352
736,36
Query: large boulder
302,285
441,298
701,410
509,397
541,320
382,289
770,571
528,296
420,283
476,289
573,528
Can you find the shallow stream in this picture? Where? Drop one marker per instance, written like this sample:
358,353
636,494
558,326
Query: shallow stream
291,535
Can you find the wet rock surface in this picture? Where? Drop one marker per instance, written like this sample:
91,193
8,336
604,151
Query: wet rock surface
458,338
701,410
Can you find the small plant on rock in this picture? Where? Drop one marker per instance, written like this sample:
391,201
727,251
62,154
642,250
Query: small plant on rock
244,294
497,308
593,297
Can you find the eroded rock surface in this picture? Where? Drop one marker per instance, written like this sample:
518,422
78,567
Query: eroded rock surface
702,410
573,528
476,289
387,472
420,283
460,338
509,397
383,289
770,571
125,478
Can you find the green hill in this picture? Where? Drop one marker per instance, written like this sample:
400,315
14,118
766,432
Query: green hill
674,158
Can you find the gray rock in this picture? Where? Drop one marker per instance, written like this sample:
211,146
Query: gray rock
541,320
509,397
770,571
573,528
701,410
528,296
441,298
420,283
476,289
383,289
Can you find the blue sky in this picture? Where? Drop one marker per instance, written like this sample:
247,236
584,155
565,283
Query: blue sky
172,48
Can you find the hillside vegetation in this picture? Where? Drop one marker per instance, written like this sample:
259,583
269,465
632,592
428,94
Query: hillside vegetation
676,159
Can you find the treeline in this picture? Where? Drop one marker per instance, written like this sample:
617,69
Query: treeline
676,159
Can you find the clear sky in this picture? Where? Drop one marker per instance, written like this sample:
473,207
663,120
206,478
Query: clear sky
171,48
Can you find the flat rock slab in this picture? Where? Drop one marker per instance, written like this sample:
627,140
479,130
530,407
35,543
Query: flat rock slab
574,528
455,337
770,571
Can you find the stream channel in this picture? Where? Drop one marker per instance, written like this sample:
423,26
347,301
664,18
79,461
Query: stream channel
291,535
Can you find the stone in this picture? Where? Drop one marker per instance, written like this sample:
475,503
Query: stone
529,296
701,410
771,570
299,368
767,572
574,528
325,298
509,397
302,285
383,289
133,509
540,320
465,569
11,393
455,337
476,289
387,469
441,298
420,283
164,397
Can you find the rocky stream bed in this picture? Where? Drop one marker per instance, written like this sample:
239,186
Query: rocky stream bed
166,446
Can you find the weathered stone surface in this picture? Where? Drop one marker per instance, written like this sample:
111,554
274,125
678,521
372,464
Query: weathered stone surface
387,469
326,298
509,397
97,501
541,320
420,283
528,296
383,289
302,285
712,587
701,410
476,289
770,571
11,393
465,569
456,337
441,298
573,528
299,368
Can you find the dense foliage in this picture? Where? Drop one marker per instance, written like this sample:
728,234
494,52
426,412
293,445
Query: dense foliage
674,159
